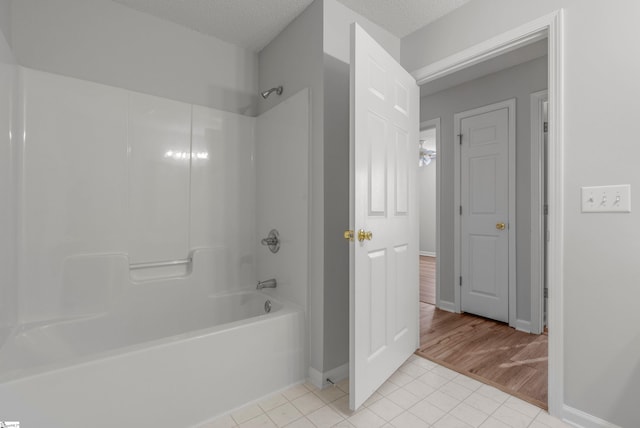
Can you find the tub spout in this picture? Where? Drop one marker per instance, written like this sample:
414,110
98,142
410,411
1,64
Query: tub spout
269,283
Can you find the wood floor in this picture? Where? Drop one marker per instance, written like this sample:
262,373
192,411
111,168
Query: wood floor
487,350
428,279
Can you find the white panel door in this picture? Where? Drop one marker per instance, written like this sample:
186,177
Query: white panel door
485,224
384,269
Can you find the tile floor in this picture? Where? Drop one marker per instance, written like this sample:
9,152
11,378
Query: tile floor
420,394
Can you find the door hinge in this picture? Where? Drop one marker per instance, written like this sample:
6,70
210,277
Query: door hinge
460,138
546,210
460,281
546,127
546,293
460,209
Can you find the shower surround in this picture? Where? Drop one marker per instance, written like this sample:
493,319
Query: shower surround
137,214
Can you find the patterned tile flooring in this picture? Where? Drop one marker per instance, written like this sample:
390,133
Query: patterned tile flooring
420,394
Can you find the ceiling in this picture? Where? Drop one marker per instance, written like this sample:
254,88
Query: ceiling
254,23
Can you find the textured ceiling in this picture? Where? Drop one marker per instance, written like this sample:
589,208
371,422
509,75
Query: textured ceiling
254,23
403,17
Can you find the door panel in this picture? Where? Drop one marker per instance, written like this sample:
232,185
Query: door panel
378,165
485,207
384,269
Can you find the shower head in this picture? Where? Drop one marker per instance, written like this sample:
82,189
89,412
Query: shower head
266,93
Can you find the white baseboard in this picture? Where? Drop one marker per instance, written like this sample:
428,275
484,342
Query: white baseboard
427,253
447,306
319,380
580,419
523,326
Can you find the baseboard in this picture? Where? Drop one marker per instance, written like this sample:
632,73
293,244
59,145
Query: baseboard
315,377
523,326
427,253
447,306
319,379
581,419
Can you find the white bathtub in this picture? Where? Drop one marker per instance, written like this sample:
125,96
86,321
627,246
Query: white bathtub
166,367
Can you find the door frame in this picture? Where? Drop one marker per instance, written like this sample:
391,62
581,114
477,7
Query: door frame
538,260
551,27
510,105
435,123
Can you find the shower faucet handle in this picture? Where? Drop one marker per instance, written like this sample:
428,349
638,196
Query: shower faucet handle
272,241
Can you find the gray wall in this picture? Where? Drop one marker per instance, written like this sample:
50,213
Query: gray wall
5,21
106,42
601,348
427,198
516,82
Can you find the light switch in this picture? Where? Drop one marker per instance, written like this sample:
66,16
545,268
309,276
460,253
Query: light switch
606,199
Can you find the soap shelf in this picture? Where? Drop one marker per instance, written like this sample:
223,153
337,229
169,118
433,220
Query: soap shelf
149,265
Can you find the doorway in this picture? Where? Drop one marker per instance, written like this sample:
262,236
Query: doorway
428,202
522,369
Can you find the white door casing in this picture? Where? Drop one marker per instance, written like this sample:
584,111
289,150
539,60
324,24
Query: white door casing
383,291
487,221
552,27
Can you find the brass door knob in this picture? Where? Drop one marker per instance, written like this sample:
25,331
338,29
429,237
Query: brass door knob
362,235
501,226
348,235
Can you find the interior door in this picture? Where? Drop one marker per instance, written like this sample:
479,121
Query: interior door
384,324
484,153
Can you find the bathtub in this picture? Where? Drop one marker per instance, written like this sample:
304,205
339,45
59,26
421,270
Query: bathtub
165,367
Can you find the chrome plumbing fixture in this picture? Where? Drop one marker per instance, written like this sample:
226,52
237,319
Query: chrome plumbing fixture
269,283
267,306
272,241
277,90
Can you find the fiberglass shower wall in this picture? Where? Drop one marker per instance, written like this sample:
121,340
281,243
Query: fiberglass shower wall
114,180
8,137
282,162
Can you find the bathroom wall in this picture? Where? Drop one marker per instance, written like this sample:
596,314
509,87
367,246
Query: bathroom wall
113,178
106,42
515,82
8,135
600,273
282,169
5,22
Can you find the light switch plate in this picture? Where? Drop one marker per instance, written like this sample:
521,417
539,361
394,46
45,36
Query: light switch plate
606,199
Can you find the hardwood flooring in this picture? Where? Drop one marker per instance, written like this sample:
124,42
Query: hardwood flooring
486,350
428,279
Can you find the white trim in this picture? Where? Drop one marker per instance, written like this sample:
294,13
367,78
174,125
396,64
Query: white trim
537,100
555,246
550,26
581,419
448,306
518,37
513,289
510,105
315,377
427,253
319,379
522,325
435,123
